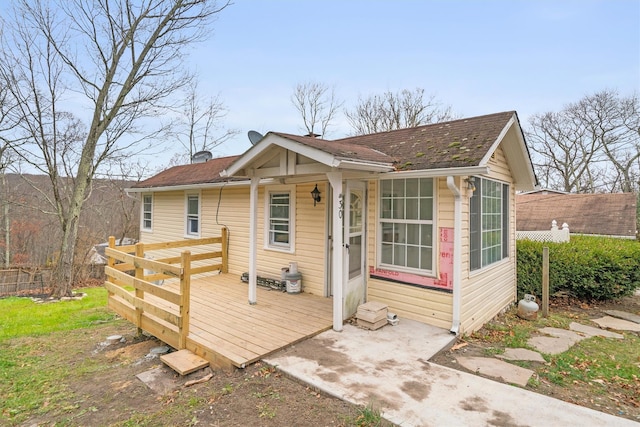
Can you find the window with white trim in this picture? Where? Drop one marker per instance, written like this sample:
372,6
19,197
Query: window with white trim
406,223
488,223
147,212
193,215
279,233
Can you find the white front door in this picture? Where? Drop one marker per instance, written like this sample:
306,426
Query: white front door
355,244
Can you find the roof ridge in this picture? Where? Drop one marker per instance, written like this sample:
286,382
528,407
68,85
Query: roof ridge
414,128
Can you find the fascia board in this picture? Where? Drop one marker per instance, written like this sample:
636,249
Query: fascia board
433,173
305,150
517,156
496,143
270,140
360,165
190,187
247,157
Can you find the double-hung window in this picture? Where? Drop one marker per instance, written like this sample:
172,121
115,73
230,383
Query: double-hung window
279,219
406,224
488,223
147,212
193,215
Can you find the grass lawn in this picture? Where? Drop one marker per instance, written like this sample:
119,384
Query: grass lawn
21,317
30,381
56,371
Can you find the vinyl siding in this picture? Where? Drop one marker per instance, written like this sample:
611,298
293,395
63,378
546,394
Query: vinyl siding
486,292
310,240
169,222
233,212
483,295
411,302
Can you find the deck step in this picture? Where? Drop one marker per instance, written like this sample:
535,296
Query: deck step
184,361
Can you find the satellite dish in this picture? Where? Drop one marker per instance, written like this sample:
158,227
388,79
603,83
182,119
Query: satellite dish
254,137
201,157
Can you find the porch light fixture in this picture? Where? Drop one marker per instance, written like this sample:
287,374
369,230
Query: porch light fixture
471,183
316,195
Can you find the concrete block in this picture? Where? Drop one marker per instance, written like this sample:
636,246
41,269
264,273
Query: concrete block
372,325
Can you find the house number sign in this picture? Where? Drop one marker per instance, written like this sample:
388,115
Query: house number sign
340,205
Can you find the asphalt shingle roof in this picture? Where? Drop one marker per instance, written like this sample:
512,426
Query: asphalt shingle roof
604,214
341,149
457,143
196,173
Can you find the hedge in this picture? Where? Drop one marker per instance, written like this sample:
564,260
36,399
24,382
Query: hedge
590,268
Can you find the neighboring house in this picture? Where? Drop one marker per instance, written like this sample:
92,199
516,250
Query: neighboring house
612,214
96,253
421,219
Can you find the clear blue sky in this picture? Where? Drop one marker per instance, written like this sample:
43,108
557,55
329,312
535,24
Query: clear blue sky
479,57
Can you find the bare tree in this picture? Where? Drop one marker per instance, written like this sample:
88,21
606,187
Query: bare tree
390,111
119,60
618,122
592,145
317,104
200,122
7,157
565,156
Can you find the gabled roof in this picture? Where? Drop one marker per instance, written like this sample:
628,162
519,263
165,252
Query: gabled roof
341,149
453,144
192,174
601,214
457,145
328,155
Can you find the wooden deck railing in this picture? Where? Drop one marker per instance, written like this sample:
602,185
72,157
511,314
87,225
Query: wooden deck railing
166,315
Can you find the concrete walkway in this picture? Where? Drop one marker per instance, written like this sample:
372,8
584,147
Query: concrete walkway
389,369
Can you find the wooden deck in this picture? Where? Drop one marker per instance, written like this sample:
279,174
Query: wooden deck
225,329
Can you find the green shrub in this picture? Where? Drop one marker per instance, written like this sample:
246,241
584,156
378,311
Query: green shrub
590,268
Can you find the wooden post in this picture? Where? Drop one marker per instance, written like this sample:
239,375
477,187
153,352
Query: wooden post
225,250
111,262
139,292
185,294
112,244
545,282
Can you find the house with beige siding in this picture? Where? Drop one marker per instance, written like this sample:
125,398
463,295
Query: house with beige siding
421,219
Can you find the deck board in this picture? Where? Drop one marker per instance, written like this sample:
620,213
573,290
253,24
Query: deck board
224,326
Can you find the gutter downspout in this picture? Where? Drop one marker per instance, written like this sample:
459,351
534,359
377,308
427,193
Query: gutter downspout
457,252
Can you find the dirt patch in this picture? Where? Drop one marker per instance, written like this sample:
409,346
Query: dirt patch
417,390
614,401
105,391
476,403
129,353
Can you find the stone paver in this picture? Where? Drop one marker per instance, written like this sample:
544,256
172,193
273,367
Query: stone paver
617,324
594,332
550,345
497,369
624,315
561,333
559,341
521,354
